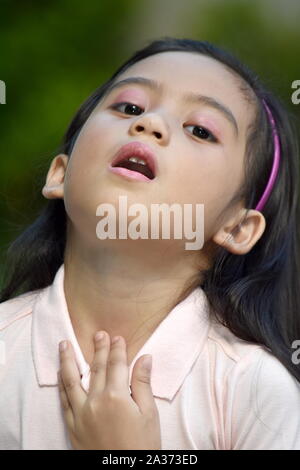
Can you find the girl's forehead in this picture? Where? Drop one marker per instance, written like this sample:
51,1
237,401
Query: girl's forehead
177,69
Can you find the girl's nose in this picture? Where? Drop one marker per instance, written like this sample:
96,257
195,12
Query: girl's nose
151,124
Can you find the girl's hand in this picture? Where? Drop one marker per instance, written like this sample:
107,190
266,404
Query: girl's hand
108,417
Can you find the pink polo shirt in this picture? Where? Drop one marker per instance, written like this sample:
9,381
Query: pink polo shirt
212,389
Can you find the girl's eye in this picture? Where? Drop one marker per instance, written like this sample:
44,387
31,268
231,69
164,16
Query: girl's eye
127,106
201,132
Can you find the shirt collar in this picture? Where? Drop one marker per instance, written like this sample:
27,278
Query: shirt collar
174,345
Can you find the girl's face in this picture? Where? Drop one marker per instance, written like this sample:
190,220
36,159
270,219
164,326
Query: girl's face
199,143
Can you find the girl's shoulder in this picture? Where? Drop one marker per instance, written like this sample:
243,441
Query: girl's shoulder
262,394
250,362
13,309
234,348
251,366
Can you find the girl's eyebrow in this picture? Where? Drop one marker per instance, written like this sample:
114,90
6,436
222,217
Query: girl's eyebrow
187,97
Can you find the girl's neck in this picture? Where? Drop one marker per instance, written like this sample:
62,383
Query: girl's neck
122,291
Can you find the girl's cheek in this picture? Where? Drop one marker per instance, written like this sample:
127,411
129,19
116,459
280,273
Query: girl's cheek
99,125
95,136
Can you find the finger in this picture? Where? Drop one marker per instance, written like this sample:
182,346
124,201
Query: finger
117,368
98,366
71,378
67,410
141,385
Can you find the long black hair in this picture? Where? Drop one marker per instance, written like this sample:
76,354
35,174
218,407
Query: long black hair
255,295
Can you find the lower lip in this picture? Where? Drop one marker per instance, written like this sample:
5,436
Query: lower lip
129,174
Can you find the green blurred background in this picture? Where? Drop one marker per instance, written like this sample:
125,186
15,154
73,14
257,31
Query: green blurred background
53,54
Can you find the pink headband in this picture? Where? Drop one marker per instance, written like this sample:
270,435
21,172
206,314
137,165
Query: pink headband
276,160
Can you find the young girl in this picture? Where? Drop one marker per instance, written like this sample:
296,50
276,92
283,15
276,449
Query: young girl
184,122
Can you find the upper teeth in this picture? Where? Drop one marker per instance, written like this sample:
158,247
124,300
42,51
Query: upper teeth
137,160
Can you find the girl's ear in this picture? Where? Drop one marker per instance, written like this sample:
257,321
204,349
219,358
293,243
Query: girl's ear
54,187
240,238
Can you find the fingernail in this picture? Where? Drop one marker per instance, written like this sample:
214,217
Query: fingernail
63,346
115,339
147,363
99,336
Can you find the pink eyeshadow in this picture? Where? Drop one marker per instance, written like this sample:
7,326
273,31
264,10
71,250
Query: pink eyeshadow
128,95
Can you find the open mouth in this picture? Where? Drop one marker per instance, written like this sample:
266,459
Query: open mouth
137,164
